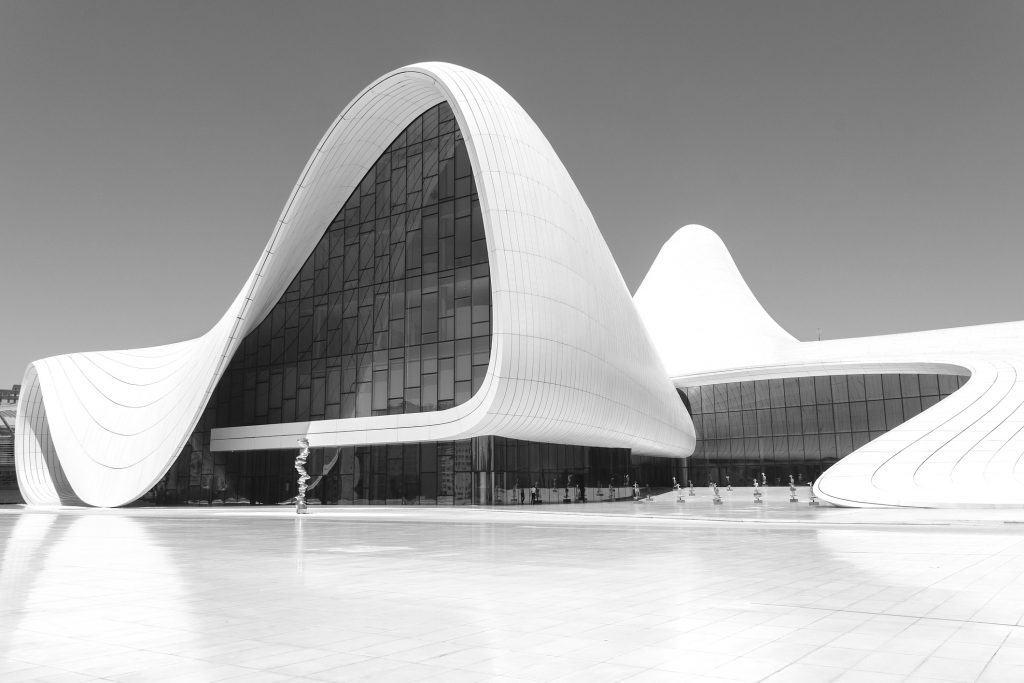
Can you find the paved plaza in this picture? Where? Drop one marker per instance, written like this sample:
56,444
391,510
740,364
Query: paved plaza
598,592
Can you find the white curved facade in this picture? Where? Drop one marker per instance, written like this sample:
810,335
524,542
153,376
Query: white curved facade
967,450
570,361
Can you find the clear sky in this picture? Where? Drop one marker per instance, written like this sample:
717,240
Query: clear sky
863,161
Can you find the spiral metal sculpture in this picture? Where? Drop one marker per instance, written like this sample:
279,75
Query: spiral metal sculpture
300,467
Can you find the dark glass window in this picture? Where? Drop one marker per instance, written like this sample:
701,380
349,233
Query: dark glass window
391,277
812,422
839,389
947,384
873,387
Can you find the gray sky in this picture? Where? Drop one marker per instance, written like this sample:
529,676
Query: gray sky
863,161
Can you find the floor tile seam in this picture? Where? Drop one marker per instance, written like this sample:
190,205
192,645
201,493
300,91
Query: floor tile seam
992,657
887,614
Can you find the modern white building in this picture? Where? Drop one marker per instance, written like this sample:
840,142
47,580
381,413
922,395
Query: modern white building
926,419
437,313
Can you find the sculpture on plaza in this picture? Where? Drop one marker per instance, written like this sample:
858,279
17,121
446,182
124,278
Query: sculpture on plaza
300,467
813,500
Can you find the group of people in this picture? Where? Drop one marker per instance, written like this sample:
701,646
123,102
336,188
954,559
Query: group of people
521,494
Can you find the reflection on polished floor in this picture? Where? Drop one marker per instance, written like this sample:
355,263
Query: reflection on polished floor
598,592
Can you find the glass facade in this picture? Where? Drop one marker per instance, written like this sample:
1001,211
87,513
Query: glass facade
799,426
480,471
8,478
391,313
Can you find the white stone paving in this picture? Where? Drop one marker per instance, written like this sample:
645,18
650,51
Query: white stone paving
598,592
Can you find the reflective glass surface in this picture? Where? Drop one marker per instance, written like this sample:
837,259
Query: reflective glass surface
391,313
9,492
799,426
480,471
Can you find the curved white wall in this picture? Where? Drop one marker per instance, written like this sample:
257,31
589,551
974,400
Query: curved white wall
698,309
967,450
570,361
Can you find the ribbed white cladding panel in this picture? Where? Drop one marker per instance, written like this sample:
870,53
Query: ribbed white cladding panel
966,450
570,361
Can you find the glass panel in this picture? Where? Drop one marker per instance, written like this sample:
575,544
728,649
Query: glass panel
761,397
856,386
793,421
893,413
841,412
947,384
792,391
732,390
909,386
807,391
839,389
873,387
825,420
858,416
929,385
809,418
911,407
891,386
876,415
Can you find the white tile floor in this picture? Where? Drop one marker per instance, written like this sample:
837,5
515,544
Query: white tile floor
599,592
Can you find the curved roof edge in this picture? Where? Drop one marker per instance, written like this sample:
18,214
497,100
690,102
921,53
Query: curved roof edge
698,308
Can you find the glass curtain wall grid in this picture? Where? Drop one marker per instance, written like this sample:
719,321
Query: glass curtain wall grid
9,492
391,313
799,426
479,471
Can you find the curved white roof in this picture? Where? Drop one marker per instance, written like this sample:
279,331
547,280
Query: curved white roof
698,309
967,450
570,361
